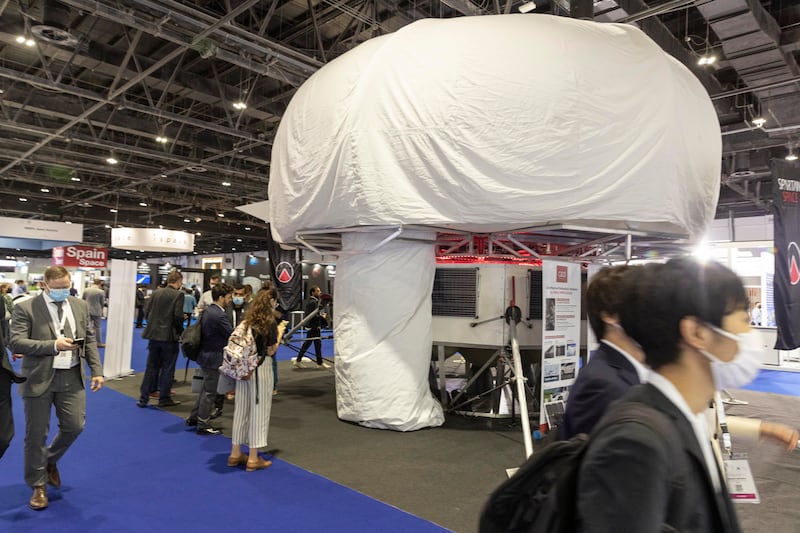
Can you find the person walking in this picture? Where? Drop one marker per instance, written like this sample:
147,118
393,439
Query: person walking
164,313
44,330
95,296
253,405
314,331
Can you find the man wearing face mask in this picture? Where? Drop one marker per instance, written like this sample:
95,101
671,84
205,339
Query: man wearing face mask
44,330
616,366
650,466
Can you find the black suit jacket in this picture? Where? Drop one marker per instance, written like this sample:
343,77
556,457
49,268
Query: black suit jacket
164,312
216,328
607,377
631,479
5,364
311,304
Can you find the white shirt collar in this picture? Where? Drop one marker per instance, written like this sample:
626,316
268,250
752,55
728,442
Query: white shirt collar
697,421
641,370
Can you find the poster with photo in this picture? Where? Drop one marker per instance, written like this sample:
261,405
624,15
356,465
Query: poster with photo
561,328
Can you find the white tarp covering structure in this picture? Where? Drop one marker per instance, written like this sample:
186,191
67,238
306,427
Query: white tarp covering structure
483,124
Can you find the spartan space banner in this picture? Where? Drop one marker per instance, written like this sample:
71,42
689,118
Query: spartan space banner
786,190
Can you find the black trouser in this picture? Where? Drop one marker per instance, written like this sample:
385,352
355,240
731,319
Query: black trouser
6,416
312,332
139,316
161,359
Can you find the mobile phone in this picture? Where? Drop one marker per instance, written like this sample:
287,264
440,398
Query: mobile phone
80,342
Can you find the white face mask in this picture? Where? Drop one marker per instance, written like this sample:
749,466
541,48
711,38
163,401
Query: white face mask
744,367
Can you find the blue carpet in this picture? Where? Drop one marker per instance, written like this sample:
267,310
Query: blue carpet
135,470
776,381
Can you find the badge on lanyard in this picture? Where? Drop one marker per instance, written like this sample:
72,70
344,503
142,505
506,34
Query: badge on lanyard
63,360
741,485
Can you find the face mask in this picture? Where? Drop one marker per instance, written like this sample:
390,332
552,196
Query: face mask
59,295
238,300
744,367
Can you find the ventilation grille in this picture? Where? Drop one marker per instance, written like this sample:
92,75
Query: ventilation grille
535,296
455,292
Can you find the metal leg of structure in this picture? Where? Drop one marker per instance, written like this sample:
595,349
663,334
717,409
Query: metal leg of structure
731,400
442,376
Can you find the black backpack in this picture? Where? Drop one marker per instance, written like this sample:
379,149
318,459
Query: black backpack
191,339
541,496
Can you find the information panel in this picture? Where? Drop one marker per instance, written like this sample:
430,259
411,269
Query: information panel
561,328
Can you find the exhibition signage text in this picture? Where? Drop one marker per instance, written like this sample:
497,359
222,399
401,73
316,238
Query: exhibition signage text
76,256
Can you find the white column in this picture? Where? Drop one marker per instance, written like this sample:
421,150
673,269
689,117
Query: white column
383,332
119,324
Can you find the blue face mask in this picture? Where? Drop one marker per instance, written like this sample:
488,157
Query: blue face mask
238,300
59,295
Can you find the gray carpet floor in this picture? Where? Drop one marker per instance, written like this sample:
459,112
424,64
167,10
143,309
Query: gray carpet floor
446,474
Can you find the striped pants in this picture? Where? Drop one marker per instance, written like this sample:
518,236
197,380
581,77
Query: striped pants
251,419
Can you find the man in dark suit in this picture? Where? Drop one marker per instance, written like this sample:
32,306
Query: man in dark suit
43,330
140,299
216,328
616,366
164,312
656,470
7,377
314,331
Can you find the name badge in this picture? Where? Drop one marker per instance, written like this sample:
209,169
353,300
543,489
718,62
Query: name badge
741,485
62,361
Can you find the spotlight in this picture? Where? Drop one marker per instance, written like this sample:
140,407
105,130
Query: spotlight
239,105
112,159
707,60
791,156
759,122
527,7
162,140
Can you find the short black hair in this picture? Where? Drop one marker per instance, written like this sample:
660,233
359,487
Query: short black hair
220,289
659,296
603,295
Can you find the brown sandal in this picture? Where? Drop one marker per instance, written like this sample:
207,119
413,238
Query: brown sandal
259,465
236,461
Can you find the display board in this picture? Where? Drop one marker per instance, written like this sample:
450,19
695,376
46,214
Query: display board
561,328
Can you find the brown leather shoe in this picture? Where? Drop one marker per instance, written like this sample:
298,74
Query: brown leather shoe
53,477
236,461
252,466
38,500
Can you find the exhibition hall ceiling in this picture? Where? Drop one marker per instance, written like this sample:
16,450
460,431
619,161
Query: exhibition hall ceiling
161,112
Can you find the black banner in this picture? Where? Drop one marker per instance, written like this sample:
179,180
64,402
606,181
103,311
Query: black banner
786,191
287,275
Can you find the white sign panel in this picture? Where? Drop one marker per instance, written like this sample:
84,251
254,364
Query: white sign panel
152,240
22,228
561,328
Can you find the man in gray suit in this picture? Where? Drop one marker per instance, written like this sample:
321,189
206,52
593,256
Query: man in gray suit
44,330
96,298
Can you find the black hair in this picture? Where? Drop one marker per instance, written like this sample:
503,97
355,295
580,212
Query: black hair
604,296
220,289
659,296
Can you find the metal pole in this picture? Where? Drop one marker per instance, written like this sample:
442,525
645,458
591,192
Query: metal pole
523,403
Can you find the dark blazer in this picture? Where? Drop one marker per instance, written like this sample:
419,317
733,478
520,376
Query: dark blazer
164,312
631,479
33,335
215,329
606,378
239,315
139,298
310,305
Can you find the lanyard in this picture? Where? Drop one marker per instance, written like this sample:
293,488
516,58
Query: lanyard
719,408
60,324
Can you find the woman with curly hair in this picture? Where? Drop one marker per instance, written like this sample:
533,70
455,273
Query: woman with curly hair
254,394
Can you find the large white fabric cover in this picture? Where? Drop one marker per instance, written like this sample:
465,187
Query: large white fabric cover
498,122
383,333
482,124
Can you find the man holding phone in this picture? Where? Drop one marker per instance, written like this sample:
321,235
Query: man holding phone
50,331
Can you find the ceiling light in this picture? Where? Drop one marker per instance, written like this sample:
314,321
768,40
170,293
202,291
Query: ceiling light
234,249
20,39
527,7
143,204
161,139
67,222
186,220
44,189
759,122
29,42
226,183
163,175
707,60
127,251
23,199
111,159
247,228
791,156
238,240
198,233
113,210
74,178
107,226
221,215
239,105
